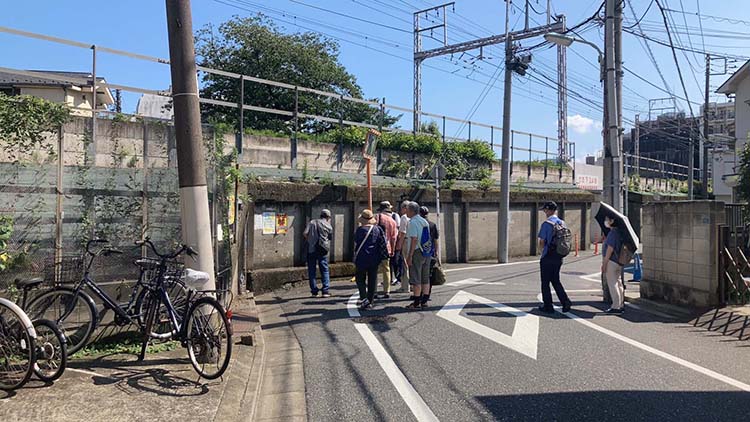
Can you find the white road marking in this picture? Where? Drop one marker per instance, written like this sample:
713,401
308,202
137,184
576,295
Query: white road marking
525,335
596,277
705,371
473,281
412,398
479,267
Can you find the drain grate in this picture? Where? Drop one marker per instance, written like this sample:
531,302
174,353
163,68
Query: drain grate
375,319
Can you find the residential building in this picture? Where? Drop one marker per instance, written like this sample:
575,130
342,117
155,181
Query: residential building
721,119
737,86
70,88
665,141
155,106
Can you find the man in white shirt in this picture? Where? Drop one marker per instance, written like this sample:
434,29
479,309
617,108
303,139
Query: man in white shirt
418,251
399,255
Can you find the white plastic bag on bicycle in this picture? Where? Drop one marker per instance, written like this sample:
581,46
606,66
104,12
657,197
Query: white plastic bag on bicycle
198,280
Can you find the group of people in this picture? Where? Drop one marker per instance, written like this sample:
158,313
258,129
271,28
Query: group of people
401,247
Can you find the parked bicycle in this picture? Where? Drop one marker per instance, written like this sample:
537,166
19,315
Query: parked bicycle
73,308
28,347
160,305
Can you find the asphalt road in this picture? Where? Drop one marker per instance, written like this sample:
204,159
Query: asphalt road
496,358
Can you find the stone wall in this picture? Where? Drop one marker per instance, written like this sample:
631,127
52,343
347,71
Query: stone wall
680,252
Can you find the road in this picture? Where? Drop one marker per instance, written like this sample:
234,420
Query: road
488,355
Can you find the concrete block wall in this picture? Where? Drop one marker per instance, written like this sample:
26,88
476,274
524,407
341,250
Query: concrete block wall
468,229
680,252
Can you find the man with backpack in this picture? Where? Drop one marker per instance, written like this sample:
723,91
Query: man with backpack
554,241
390,229
419,250
318,237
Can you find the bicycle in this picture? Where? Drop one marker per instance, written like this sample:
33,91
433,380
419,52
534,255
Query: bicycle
17,346
204,327
74,310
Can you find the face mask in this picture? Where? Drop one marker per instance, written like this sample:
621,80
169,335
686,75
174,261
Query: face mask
608,224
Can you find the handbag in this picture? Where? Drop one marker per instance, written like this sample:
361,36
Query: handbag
437,275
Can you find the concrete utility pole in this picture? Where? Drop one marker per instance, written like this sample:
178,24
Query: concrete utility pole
703,145
613,153
503,216
196,224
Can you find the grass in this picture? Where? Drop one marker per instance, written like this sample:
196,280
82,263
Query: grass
123,343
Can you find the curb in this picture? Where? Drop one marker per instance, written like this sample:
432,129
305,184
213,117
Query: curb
236,386
280,393
661,308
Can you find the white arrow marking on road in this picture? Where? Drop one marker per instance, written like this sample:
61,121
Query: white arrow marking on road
596,277
415,402
525,332
479,267
473,281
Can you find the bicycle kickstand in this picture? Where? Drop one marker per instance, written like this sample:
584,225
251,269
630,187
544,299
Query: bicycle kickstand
144,346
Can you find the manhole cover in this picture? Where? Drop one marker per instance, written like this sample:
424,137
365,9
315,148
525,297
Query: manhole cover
375,319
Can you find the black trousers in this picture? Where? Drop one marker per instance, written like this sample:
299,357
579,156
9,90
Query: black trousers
369,288
550,271
397,265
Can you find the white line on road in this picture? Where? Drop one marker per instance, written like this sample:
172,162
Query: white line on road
524,338
705,371
82,371
412,398
474,281
479,267
596,277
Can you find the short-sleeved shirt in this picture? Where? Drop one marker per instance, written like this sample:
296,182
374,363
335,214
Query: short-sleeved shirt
547,232
390,229
403,224
416,226
614,241
396,218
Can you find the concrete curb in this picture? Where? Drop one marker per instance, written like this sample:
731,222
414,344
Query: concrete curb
281,385
662,308
244,357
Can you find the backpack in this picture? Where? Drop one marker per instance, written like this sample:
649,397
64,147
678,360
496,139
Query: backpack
425,242
323,246
561,239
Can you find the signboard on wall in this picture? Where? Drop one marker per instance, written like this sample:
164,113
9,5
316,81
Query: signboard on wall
282,223
269,222
371,144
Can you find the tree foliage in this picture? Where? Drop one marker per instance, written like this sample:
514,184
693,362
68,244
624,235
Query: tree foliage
255,46
23,122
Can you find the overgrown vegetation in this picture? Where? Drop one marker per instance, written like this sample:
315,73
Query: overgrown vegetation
743,187
24,121
127,342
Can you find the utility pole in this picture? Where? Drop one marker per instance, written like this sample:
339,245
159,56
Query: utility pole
503,215
196,223
613,153
637,144
703,144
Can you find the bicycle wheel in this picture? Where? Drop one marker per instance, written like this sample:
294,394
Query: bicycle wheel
16,347
208,338
51,351
74,314
162,327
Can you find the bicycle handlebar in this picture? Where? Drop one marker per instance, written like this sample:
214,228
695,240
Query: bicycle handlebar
183,248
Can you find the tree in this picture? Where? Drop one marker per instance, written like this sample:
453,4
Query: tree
25,123
255,46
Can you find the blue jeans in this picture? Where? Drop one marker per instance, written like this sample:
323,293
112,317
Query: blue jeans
314,260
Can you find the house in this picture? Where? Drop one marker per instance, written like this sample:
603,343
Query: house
155,106
738,85
70,88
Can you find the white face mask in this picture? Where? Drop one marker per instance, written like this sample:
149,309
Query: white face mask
608,223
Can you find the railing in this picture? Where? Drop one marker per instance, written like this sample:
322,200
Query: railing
535,152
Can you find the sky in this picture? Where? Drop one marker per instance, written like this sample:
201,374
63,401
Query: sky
376,46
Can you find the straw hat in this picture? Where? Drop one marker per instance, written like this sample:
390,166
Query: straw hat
366,217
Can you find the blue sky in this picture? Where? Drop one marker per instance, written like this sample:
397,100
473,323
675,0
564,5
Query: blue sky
139,26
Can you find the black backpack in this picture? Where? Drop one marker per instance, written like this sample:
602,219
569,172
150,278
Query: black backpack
561,239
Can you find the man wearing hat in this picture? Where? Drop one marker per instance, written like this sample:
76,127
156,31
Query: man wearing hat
388,224
318,237
551,262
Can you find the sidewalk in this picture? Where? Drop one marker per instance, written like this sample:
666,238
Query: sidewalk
163,387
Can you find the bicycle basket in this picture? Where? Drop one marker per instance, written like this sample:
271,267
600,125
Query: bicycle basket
150,269
67,271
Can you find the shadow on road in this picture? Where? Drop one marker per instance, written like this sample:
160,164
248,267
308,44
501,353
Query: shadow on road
620,406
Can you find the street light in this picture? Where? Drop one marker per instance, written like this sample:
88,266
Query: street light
612,182
566,41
